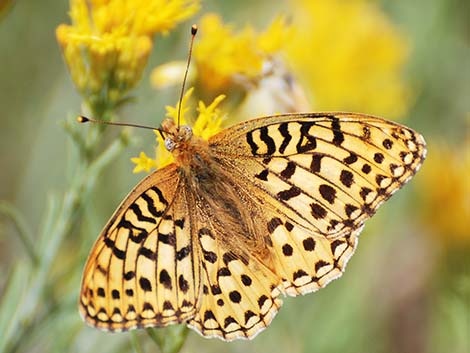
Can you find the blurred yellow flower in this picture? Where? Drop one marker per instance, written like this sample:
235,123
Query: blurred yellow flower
107,46
445,190
224,57
206,124
170,74
350,56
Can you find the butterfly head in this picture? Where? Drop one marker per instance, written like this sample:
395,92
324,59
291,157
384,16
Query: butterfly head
175,135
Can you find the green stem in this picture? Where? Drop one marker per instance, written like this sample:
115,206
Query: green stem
136,343
169,339
59,222
24,231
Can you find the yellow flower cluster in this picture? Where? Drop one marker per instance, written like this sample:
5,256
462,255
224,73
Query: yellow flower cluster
207,123
107,45
221,54
445,190
349,56
224,57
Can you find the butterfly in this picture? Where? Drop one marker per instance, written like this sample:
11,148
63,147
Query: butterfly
268,207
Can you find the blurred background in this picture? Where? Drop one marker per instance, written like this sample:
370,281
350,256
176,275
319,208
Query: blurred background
406,289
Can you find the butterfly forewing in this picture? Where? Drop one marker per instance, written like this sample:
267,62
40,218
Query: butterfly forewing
142,270
326,172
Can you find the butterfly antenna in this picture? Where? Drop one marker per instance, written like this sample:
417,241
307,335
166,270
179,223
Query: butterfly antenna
83,119
193,34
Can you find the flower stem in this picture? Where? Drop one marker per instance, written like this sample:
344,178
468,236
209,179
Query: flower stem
169,339
24,231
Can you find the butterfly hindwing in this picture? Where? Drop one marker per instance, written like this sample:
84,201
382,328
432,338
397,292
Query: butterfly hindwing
142,270
240,296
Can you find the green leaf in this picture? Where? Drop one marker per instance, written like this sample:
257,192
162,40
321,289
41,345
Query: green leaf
11,304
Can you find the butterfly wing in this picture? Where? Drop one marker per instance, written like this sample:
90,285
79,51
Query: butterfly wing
239,296
326,172
318,177
143,270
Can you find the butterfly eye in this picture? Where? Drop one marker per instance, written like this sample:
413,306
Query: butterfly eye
186,132
186,129
170,144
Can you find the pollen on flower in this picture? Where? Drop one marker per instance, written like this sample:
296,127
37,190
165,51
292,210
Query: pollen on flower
207,123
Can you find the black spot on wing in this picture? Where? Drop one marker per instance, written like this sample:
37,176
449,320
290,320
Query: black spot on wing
120,254
159,193
283,129
183,284
315,165
165,279
289,193
146,252
129,275
328,193
179,223
346,178
268,140
145,284
352,158
140,216
317,211
263,175
306,142
289,170
387,143
235,296
142,235
338,136
183,252
379,157
251,143
273,224
169,239
366,169
151,206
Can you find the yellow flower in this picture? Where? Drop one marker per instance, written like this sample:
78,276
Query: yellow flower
206,124
224,57
445,190
143,163
107,46
350,56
